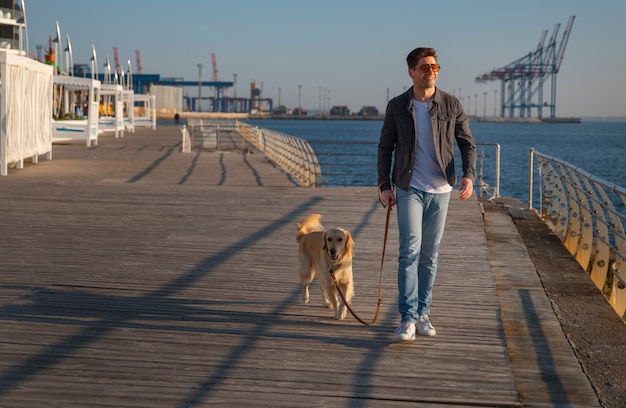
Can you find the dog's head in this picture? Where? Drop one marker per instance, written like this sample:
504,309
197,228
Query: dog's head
337,243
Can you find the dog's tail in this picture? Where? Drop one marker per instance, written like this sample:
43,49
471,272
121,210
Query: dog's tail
308,225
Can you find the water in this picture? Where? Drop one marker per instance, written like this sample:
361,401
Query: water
596,147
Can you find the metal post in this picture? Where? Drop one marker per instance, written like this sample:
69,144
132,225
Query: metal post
299,100
484,104
530,179
199,87
497,170
328,101
234,103
475,105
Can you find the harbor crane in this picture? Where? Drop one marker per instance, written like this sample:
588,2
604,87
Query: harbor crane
216,75
138,58
523,80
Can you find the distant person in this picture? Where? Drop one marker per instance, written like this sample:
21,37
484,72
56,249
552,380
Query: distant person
417,137
177,118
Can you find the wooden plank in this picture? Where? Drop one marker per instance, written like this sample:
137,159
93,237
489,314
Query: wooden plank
136,275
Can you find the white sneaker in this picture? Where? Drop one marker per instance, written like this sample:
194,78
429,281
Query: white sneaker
424,327
405,332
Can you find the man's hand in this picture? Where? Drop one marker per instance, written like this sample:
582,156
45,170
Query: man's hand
387,198
466,188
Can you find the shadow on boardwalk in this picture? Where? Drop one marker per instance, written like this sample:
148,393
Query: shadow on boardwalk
134,275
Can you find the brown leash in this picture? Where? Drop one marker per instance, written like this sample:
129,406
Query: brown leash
380,280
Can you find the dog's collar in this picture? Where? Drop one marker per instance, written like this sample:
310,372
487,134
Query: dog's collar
332,267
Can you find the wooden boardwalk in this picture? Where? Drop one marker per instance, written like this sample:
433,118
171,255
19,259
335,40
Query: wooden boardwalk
133,275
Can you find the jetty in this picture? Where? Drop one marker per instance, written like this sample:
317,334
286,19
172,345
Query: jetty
136,275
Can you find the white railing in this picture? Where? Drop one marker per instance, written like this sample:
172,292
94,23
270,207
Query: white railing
292,154
588,214
206,134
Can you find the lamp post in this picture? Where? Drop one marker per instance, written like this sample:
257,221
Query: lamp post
495,103
328,100
299,100
475,104
199,88
485,105
320,99
235,93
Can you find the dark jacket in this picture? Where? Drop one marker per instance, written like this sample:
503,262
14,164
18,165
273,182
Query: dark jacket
397,139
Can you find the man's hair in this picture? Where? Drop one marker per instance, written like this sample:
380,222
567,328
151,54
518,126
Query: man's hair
419,53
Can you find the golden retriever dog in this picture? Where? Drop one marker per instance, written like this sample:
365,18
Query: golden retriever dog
321,250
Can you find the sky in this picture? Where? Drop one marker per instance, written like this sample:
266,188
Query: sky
324,53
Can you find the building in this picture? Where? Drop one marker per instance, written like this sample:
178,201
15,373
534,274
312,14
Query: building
12,26
339,111
368,111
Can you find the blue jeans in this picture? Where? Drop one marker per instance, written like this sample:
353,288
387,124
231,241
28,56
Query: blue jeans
421,221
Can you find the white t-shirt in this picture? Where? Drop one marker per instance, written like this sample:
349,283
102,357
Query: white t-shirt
427,174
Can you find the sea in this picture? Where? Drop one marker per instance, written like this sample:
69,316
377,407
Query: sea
347,149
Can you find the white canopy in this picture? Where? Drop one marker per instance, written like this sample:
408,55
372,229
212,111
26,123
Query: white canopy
113,123
25,109
78,129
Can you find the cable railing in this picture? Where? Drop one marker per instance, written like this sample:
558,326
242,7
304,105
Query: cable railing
588,214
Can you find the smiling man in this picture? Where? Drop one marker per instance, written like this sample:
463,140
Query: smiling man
417,137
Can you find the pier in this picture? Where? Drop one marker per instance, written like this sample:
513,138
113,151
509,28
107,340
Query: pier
135,275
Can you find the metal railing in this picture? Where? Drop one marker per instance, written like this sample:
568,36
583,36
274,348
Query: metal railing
484,170
353,163
588,215
210,134
292,154
336,163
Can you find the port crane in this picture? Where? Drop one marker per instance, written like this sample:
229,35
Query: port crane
216,75
523,80
138,58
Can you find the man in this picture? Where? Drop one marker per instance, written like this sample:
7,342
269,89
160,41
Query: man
418,136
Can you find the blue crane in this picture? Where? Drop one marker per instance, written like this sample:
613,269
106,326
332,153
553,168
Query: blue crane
523,80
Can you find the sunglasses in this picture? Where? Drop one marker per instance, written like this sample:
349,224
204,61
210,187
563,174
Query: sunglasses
426,67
